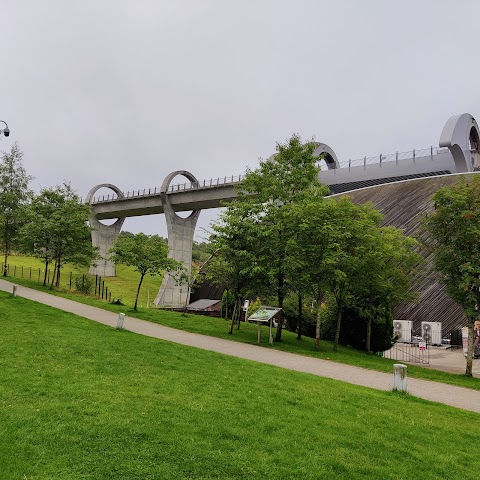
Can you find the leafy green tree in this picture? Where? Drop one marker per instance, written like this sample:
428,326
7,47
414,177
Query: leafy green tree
233,262
146,253
56,230
454,227
288,177
392,264
14,193
336,247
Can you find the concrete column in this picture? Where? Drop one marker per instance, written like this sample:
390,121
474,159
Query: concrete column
180,241
104,236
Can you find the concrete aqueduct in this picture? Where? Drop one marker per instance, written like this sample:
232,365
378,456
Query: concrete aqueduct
392,182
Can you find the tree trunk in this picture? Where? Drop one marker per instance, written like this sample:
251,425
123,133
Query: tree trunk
186,299
138,291
369,334
5,263
54,273
240,310
57,283
233,318
45,276
339,324
299,334
319,320
280,284
468,370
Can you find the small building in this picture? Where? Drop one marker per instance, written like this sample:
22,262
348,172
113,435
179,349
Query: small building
205,305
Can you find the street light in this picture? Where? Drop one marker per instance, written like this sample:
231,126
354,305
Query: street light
5,131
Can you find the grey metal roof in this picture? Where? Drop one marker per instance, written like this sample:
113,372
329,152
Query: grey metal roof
202,304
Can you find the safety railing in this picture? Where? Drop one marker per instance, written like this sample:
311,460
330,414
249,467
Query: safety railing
396,157
181,187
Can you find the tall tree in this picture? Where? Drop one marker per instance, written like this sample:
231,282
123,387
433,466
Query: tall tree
14,193
392,265
146,253
288,177
56,230
233,263
338,248
455,230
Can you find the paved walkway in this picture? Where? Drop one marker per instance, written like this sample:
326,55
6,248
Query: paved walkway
464,398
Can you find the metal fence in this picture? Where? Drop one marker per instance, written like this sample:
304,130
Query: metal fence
412,347
67,281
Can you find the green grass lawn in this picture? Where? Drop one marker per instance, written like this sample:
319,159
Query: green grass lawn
127,282
123,286
79,400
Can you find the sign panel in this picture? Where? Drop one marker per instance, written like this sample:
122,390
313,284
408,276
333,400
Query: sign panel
263,314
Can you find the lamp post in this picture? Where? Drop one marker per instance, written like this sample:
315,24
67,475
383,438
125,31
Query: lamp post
6,130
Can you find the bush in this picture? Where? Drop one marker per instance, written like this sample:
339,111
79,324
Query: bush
290,309
353,331
84,283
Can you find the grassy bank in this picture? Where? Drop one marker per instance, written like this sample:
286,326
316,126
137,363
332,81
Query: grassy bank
123,286
82,401
217,327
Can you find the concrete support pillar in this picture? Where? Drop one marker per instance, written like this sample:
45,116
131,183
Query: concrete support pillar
104,236
180,241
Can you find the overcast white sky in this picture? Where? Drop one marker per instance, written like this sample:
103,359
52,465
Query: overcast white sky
127,91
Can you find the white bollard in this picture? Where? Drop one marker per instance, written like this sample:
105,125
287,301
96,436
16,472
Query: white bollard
14,291
120,319
399,377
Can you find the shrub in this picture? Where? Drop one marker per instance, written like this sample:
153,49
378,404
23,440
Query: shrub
84,283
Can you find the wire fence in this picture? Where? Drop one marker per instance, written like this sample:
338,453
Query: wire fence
92,285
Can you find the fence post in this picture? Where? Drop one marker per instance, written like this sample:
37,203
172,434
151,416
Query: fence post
14,292
14,270
413,155
71,274
39,275
396,158
30,273
106,293
431,153
22,271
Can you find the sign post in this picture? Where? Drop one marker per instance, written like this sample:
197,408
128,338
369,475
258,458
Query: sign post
263,315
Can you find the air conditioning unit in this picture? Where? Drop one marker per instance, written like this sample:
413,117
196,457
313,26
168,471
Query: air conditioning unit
402,330
432,333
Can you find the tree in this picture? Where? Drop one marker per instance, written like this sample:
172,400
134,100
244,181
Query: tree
56,230
14,193
391,268
338,248
454,227
288,177
233,262
146,253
